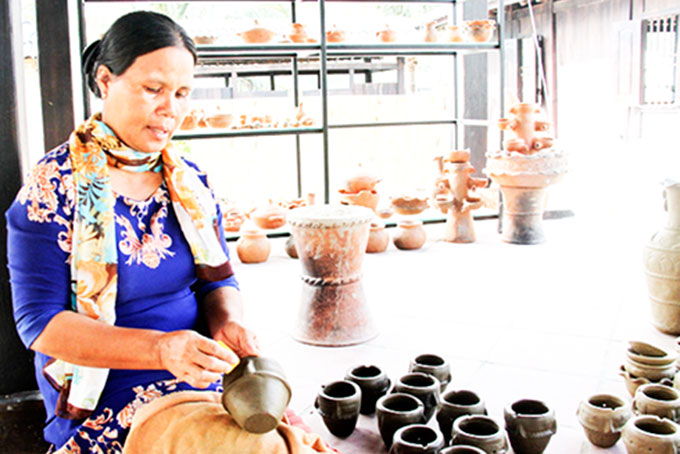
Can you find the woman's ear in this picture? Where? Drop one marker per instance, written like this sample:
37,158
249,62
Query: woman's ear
103,78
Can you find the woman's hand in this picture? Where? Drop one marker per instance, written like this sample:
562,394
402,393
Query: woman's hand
195,359
239,338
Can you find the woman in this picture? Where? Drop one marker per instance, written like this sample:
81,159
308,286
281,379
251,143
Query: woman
116,253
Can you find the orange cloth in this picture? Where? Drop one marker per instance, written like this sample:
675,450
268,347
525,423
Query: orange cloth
195,422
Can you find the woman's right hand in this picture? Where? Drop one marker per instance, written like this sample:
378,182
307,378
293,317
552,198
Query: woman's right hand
194,359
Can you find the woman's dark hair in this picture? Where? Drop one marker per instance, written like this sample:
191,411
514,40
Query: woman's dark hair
131,36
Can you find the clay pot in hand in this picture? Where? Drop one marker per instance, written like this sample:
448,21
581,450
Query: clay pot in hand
434,365
650,434
397,410
480,431
603,417
378,238
479,31
455,404
373,383
530,424
257,35
253,246
416,439
338,404
423,386
659,400
410,234
256,394
269,217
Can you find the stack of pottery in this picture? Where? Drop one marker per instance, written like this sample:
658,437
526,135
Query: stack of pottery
662,265
603,417
454,195
359,189
455,404
530,424
524,169
646,363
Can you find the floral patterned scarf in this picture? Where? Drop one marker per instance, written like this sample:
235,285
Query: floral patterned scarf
94,258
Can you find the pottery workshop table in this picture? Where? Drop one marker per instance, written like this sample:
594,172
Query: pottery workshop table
331,243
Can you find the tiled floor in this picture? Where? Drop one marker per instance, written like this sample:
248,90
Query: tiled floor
547,321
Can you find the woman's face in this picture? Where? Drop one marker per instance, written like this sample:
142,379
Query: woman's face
146,104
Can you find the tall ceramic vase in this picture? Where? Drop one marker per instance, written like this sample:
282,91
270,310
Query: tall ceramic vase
331,243
662,265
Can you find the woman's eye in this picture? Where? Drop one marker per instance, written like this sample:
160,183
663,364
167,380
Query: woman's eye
153,90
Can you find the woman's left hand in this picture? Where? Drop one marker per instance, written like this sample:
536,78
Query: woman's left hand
239,338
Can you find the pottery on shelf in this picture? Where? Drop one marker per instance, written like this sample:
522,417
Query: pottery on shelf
387,35
331,243
219,120
397,410
410,234
253,246
530,424
650,434
378,238
454,195
334,35
423,386
602,417
256,394
190,121
359,189
455,404
479,31
662,265
656,399
373,383
270,216
434,365
480,431
430,33
204,39
257,35
524,177
338,404
455,34
417,439
298,34
408,204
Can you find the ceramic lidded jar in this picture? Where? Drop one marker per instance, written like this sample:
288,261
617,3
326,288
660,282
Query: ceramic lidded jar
662,265
530,424
650,434
603,417
410,234
480,431
253,246
378,238
417,439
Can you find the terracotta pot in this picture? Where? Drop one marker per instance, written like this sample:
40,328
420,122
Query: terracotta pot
220,120
298,34
378,238
395,411
416,439
430,33
662,265
480,431
410,234
189,122
651,434
408,205
331,242
269,217
291,250
335,36
455,34
253,246
384,213
387,36
530,424
479,31
204,39
361,180
257,35
660,400
455,404
603,417
365,198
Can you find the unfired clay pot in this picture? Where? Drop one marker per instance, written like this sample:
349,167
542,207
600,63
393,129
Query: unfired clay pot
662,265
480,431
253,246
331,242
378,238
530,424
603,417
660,400
410,234
651,435
417,439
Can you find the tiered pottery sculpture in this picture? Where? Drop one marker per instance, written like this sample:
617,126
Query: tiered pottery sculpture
453,195
359,189
603,417
331,242
662,265
524,170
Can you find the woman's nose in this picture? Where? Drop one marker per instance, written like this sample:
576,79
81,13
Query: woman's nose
169,106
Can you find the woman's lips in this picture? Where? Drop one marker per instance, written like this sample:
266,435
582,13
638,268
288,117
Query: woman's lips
160,133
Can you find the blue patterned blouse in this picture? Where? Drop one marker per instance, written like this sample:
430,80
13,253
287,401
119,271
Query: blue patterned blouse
157,284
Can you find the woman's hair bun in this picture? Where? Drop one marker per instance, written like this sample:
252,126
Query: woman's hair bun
89,59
